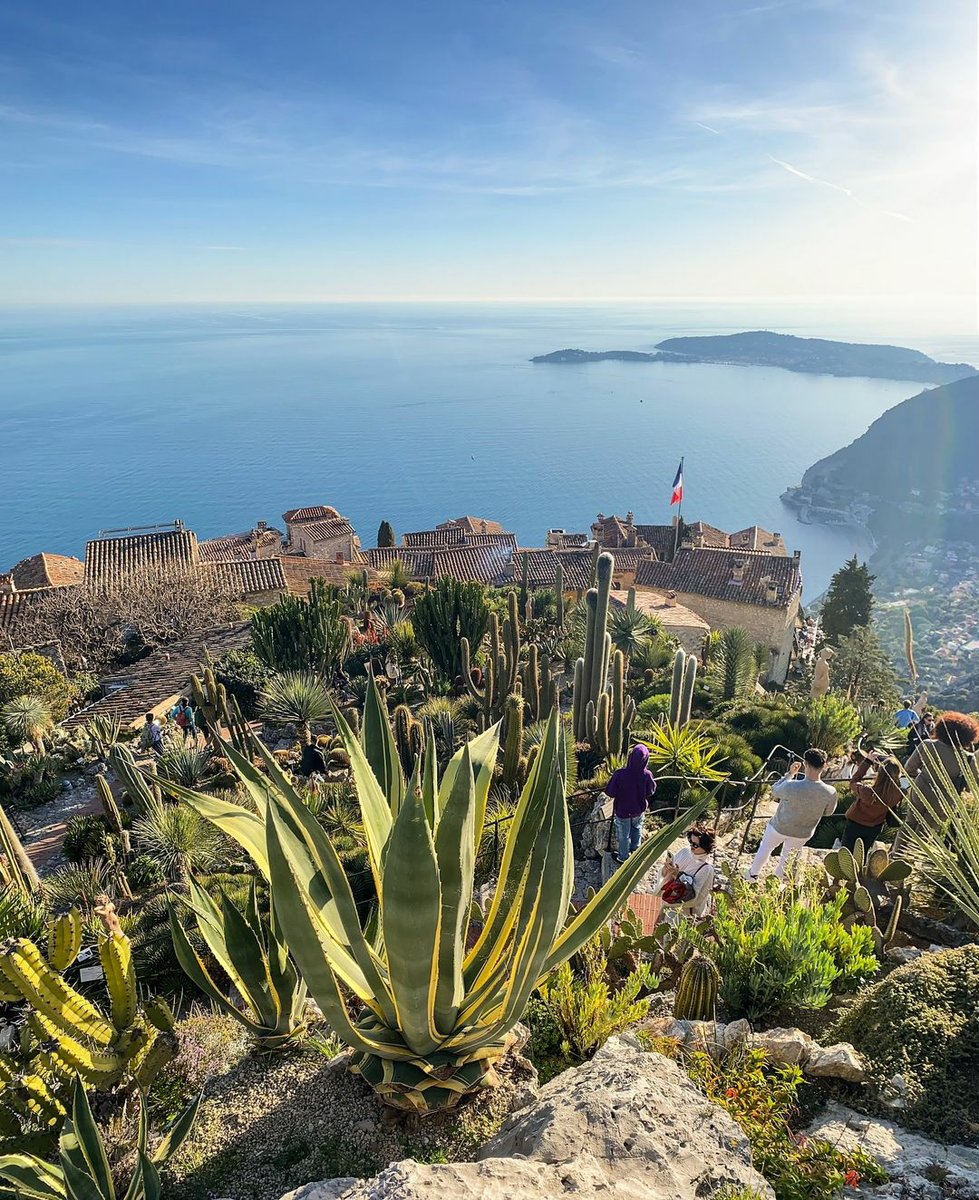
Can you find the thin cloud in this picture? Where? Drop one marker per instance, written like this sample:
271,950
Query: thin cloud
709,128
786,166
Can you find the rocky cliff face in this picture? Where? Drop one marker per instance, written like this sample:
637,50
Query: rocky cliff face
626,1124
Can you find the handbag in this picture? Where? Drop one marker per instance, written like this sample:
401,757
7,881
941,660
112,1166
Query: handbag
683,889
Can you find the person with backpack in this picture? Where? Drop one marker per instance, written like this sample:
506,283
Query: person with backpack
631,789
688,877
803,801
153,735
183,714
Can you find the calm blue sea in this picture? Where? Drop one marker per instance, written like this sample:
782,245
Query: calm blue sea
414,413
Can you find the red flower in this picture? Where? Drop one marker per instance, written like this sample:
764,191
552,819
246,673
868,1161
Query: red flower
731,1093
853,1179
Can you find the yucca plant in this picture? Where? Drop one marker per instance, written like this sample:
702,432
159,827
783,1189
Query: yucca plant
630,630
178,838
427,1019
683,750
248,948
296,698
102,732
83,1170
186,765
943,836
733,662
27,719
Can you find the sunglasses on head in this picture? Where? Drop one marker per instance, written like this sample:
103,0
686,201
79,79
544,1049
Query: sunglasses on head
693,837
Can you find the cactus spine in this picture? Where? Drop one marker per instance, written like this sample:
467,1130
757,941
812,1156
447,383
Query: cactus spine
681,687
696,993
602,713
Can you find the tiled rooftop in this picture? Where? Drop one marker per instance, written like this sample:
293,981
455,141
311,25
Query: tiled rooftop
418,561
474,525
13,605
299,570
327,530
713,573
474,564
251,576
318,512
47,570
452,536
114,559
240,545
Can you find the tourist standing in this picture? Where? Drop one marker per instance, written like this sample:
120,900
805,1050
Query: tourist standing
921,731
875,801
183,714
934,769
906,715
631,788
153,733
803,801
694,867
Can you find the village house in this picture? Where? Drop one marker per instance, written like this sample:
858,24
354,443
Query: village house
759,591
321,532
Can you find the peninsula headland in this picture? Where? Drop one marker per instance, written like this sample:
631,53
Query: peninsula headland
816,356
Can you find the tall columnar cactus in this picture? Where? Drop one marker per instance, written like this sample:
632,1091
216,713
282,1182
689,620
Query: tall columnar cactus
513,741
502,663
524,581
540,689
16,867
602,711
681,687
409,736
870,881
696,993
559,591
427,1009
221,710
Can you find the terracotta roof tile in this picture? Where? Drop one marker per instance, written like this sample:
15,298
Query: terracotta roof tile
163,674
452,536
111,560
240,545
299,570
474,564
713,573
541,564
756,538
660,537
474,525
251,576
318,512
418,561
47,570
13,606
327,530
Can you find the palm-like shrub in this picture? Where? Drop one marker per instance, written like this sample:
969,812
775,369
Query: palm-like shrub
429,1019
832,723
186,764
732,662
630,630
683,750
296,698
27,719
180,840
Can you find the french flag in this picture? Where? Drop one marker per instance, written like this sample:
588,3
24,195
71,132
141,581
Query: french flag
678,486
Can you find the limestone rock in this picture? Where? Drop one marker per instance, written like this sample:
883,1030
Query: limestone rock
785,1045
912,1161
836,1062
596,831
626,1124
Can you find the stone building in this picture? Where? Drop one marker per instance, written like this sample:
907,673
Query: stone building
321,532
761,592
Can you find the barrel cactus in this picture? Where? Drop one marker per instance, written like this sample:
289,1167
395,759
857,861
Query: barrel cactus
427,1011
696,993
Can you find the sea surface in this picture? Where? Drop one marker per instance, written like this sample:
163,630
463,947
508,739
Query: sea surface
415,413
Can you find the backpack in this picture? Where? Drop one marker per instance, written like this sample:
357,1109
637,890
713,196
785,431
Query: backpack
182,719
682,889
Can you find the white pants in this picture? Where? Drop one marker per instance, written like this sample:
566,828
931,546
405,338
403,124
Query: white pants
770,842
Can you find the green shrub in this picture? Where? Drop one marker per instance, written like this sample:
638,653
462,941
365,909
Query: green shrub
777,950
767,724
922,1022
764,1102
86,837
245,676
653,708
31,674
832,723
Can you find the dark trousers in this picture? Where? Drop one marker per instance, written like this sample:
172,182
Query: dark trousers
868,834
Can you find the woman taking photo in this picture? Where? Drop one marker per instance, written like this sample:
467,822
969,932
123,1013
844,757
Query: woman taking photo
935,771
875,801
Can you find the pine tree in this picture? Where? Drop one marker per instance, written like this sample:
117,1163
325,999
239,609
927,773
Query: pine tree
849,600
385,534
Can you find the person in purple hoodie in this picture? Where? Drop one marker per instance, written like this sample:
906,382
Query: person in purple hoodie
631,788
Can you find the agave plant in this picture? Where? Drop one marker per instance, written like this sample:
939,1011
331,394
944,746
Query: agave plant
427,1019
83,1170
102,732
186,764
249,950
630,630
683,750
178,838
296,698
27,719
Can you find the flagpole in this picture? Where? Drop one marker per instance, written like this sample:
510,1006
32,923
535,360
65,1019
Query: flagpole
679,514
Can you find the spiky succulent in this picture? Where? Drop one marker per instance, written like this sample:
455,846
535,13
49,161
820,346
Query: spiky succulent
426,1004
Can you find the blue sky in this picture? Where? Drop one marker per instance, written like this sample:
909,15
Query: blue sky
510,149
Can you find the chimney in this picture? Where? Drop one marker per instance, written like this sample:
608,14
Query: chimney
339,558
261,526
771,591
630,518
7,585
737,572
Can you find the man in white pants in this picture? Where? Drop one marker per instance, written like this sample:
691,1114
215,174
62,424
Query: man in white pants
803,800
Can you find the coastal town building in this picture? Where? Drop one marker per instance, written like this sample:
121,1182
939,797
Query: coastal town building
321,532
759,591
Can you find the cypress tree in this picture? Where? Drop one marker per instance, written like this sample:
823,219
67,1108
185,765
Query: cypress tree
385,534
849,600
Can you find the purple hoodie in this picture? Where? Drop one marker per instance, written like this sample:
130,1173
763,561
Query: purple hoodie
632,786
